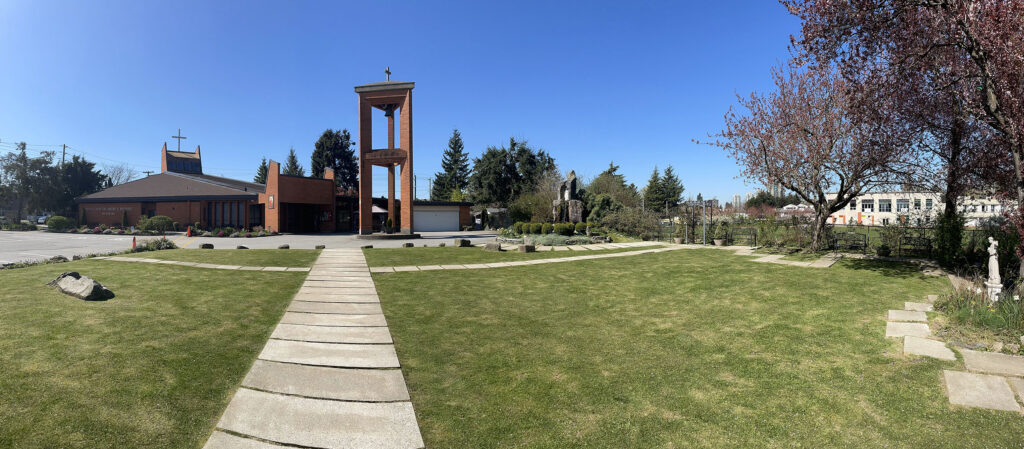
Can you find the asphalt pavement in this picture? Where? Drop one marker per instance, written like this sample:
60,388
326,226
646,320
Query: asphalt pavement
37,245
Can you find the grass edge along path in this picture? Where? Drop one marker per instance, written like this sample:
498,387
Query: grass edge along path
153,367
245,257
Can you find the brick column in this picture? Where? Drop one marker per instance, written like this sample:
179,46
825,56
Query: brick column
391,194
406,140
365,168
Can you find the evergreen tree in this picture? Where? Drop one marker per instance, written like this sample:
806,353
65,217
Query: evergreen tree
500,175
78,177
291,165
335,150
671,187
653,195
454,174
261,172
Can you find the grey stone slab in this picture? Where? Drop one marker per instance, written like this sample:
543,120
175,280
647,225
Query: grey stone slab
991,362
367,385
409,268
362,283
350,273
342,355
303,269
926,347
336,307
251,268
339,290
1018,386
329,277
918,306
907,315
327,297
275,268
932,298
979,390
476,266
330,319
221,440
430,267
904,329
332,334
453,267
322,423
228,267
382,269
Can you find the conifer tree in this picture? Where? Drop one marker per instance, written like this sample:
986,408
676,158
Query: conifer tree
291,165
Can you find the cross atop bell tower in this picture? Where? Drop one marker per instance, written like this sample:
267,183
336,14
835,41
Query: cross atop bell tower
390,97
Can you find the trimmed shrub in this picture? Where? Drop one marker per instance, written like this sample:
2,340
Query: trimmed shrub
535,228
124,219
517,227
159,223
546,228
581,228
57,223
206,246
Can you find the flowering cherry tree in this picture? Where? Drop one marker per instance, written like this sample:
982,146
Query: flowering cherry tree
814,135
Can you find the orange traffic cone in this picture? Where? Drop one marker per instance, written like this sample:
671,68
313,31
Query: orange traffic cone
133,242
188,233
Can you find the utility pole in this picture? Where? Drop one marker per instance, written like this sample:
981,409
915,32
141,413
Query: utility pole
64,150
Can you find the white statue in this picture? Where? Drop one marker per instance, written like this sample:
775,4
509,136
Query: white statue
994,285
993,261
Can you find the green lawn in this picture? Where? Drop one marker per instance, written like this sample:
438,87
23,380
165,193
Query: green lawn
246,257
801,256
152,367
450,255
695,348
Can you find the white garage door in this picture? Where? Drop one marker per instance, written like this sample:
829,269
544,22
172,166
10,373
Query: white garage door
435,220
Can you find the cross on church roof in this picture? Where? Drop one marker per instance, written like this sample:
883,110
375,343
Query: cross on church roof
179,137
387,72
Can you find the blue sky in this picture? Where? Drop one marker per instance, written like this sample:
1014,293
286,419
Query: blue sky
590,82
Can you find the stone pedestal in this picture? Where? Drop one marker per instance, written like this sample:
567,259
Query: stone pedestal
992,291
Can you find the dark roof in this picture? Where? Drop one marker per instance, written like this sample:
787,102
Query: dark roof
385,85
177,187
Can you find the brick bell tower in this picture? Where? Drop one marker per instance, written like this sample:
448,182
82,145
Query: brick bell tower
389,97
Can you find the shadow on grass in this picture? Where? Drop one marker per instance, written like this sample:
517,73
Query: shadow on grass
904,270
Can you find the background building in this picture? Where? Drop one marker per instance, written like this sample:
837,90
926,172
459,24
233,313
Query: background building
920,208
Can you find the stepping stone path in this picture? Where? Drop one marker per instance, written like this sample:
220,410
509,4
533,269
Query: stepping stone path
329,376
984,385
200,265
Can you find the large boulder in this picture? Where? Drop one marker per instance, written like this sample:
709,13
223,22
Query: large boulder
462,243
527,248
81,287
492,246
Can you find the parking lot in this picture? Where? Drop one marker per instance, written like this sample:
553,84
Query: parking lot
38,245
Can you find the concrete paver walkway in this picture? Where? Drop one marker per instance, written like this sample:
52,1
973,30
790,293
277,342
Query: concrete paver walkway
329,376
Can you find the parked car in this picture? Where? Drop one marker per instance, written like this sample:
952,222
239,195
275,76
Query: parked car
41,219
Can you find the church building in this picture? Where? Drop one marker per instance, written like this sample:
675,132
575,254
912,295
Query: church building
183,192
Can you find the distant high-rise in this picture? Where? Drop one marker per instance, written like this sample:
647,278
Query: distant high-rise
737,201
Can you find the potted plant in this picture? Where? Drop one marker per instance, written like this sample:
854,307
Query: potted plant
387,225
721,234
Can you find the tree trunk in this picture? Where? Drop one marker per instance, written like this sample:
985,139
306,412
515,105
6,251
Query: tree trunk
820,223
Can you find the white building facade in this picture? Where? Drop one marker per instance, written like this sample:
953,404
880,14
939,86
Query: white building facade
916,208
